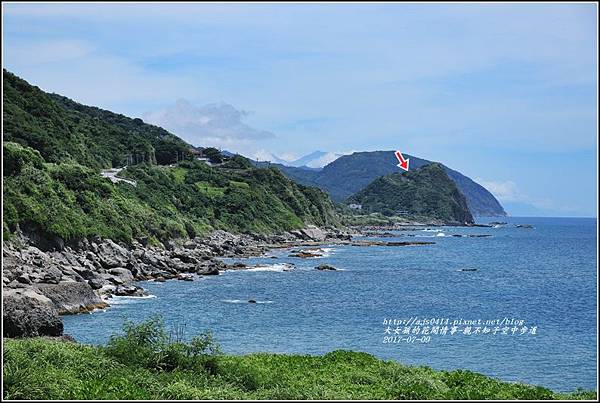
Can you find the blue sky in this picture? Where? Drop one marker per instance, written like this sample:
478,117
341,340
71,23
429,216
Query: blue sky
504,93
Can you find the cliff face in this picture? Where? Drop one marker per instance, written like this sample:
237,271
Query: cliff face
350,173
425,192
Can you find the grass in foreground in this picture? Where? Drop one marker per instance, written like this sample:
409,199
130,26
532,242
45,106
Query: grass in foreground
145,363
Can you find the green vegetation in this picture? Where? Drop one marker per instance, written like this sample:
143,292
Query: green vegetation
144,362
54,149
213,155
425,192
71,201
351,173
65,131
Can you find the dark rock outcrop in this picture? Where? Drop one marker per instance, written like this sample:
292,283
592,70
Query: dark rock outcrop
71,297
39,285
325,267
28,314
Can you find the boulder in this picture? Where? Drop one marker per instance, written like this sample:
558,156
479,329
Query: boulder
305,255
24,279
325,267
185,277
209,271
122,273
71,297
52,275
130,291
112,255
28,314
97,283
314,233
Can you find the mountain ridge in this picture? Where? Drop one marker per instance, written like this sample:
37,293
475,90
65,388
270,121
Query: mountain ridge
426,191
350,173
55,148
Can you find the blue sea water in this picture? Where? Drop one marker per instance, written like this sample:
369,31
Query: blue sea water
545,276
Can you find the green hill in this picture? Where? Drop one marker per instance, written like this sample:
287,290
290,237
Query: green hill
54,149
426,192
350,173
64,131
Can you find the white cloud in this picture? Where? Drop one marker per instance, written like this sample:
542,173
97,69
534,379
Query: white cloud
215,124
508,192
505,191
323,160
289,156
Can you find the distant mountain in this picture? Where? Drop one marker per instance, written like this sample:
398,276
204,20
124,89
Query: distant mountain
314,160
426,192
351,173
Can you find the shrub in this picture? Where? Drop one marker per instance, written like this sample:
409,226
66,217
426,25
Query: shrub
149,345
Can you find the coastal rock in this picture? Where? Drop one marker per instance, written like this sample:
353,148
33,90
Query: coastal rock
325,267
210,271
70,297
97,283
28,314
23,279
112,255
314,233
185,277
304,255
52,275
129,291
72,278
122,273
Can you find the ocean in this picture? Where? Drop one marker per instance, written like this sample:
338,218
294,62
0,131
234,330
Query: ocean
519,305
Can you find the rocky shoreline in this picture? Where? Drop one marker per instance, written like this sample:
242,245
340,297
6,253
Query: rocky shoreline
39,285
42,283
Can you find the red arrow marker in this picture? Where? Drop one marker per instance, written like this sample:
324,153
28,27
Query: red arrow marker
403,162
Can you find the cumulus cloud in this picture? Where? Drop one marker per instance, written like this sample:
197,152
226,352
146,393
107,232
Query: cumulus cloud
509,192
505,191
215,124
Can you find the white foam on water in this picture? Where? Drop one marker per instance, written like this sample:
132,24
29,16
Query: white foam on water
277,267
121,299
431,230
441,234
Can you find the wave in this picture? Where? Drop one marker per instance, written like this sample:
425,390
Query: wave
320,252
277,267
240,301
431,230
123,299
440,234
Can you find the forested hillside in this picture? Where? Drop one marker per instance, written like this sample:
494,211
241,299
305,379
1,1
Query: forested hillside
425,192
54,149
351,173
65,131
